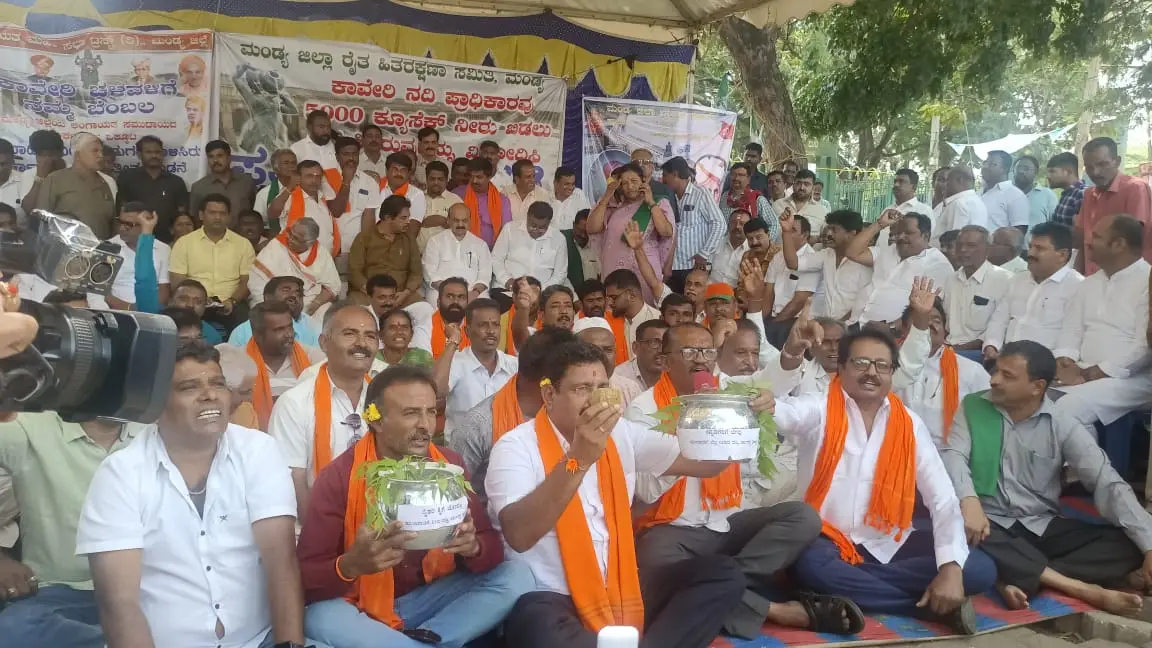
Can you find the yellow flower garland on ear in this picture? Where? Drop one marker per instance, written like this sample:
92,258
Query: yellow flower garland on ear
371,413
545,382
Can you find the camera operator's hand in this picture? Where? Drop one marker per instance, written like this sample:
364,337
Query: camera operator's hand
17,330
16,579
147,222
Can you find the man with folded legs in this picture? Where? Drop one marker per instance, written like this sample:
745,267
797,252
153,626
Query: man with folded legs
364,589
1006,457
560,489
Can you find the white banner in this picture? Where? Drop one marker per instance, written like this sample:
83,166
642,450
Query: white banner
268,85
117,84
613,128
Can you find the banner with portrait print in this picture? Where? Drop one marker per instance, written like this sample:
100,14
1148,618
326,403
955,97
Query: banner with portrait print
268,85
117,84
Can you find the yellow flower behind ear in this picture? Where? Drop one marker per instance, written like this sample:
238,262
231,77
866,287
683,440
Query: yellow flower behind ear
371,414
545,382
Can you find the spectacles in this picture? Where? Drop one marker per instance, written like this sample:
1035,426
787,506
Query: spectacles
651,344
690,353
862,365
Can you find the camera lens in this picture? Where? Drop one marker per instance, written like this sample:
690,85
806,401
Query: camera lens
102,272
76,267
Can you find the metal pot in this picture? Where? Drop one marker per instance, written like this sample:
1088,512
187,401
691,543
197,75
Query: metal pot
426,508
717,427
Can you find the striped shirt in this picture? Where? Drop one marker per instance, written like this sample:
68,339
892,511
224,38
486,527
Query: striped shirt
763,210
1069,205
701,226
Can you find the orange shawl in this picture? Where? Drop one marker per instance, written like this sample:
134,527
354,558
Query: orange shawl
402,190
495,211
439,341
510,345
375,594
950,374
297,210
894,485
335,178
262,390
506,412
719,493
322,436
599,602
620,332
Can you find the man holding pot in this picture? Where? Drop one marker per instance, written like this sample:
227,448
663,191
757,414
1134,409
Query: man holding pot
363,589
561,486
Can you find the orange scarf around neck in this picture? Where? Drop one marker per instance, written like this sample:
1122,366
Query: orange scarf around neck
495,211
375,594
335,178
439,341
262,390
402,190
297,209
599,601
894,485
506,412
312,252
719,493
950,375
620,332
322,437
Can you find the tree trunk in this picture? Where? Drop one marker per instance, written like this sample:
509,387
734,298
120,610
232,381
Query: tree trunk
1091,87
754,51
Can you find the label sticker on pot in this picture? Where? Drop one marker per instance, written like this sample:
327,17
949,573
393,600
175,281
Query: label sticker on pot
418,517
719,445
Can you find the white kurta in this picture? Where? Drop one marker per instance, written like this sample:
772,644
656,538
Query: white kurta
564,211
363,194
1031,311
964,208
276,260
892,279
844,280
924,394
306,149
914,206
414,195
317,210
970,301
517,254
446,256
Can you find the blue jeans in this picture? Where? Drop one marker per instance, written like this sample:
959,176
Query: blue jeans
459,607
57,617
892,588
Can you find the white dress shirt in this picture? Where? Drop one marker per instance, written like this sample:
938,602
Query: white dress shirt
1107,323
842,281
816,213
306,149
964,208
414,195
970,301
924,394
914,206
440,205
631,371
726,262
421,313
1006,205
469,383
197,571
564,211
378,167
520,205
786,283
293,422
515,470
285,378
1016,265
813,379
445,257
892,279
801,419
517,254
124,286
1031,311
647,313
363,194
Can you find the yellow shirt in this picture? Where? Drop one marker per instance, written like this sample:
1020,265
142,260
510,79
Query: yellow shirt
218,265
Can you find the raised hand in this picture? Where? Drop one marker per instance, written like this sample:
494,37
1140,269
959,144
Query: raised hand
633,236
722,329
452,334
923,295
805,334
752,278
147,221
593,429
889,218
646,194
787,222
523,296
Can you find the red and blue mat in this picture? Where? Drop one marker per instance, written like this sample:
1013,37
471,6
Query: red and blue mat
882,629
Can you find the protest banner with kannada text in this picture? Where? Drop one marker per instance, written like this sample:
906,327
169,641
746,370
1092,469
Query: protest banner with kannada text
267,86
613,128
119,85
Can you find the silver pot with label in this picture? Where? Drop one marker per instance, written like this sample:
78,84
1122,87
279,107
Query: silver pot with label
717,427
431,508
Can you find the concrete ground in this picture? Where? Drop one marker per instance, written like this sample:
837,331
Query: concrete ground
1090,630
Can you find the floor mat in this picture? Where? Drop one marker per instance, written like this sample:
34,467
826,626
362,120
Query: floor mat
882,629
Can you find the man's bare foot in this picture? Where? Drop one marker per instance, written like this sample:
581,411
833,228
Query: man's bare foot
1120,603
1013,596
791,614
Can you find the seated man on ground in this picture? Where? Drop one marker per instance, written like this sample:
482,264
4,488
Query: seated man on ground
647,361
516,402
722,515
557,307
47,596
289,290
453,297
296,253
363,589
973,293
676,309
388,248
468,376
280,359
939,379
569,475
863,456
598,332
593,303
189,529
1006,456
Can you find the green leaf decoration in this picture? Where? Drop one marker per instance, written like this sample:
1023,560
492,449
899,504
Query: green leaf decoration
378,477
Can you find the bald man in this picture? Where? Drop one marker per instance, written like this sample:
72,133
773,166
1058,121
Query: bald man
1007,244
961,206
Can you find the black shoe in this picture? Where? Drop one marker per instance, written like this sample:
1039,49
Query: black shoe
423,636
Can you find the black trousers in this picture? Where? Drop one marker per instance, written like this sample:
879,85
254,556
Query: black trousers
764,541
685,605
1101,555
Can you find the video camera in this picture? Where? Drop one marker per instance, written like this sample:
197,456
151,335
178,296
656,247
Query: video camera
83,364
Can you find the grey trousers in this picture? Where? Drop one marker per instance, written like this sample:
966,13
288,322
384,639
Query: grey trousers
763,541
